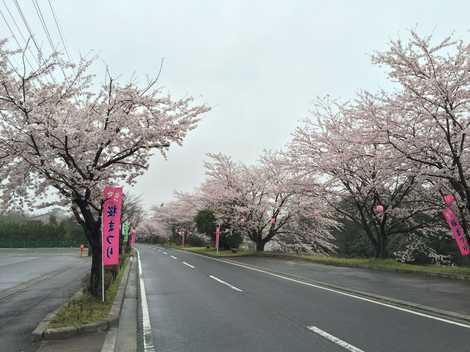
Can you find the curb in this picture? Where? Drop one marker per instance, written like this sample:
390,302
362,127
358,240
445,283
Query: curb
109,344
441,313
462,277
42,332
39,332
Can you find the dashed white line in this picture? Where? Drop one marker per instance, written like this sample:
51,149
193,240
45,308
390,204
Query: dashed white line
319,286
187,264
172,256
225,283
334,339
165,253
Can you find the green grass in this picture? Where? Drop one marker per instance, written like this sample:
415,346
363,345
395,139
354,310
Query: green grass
212,252
371,263
390,264
87,308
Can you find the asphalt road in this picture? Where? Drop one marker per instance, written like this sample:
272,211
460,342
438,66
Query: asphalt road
445,294
33,282
200,304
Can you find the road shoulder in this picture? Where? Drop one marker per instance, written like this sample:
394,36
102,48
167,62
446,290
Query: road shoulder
310,272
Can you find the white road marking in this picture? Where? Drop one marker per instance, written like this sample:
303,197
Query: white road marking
147,328
187,264
225,283
165,253
334,339
463,325
172,256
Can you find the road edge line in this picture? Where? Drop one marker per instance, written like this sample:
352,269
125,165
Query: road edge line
451,318
146,325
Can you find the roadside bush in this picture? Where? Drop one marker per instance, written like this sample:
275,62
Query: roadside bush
154,239
351,241
417,250
230,240
196,241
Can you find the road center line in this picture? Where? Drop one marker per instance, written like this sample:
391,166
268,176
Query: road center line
187,264
225,283
165,253
172,256
388,305
334,339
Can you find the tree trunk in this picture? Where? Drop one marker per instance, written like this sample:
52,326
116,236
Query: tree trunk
92,227
381,247
260,245
95,274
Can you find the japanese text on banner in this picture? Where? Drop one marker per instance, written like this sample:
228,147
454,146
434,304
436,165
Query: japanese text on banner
457,231
111,224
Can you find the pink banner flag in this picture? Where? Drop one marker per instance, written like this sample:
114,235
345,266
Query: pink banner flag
457,231
217,237
111,218
449,199
133,235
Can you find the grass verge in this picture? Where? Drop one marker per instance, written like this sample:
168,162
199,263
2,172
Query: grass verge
212,252
87,309
389,264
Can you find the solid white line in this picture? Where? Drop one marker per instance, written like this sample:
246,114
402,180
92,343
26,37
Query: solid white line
463,325
225,283
334,339
172,256
187,264
147,328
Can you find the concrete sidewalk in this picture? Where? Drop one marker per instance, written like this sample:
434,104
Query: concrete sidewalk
127,331
123,338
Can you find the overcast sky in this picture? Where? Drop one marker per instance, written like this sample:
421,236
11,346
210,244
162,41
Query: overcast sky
258,64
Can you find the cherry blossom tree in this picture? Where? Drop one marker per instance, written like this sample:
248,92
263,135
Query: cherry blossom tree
175,217
133,211
426,119
67,136
263,203
361,174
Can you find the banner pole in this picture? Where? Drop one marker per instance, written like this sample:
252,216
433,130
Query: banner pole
102,262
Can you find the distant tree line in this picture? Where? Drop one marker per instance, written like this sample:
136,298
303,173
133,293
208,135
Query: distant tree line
18,232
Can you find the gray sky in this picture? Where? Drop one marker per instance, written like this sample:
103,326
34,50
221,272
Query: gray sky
259,64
